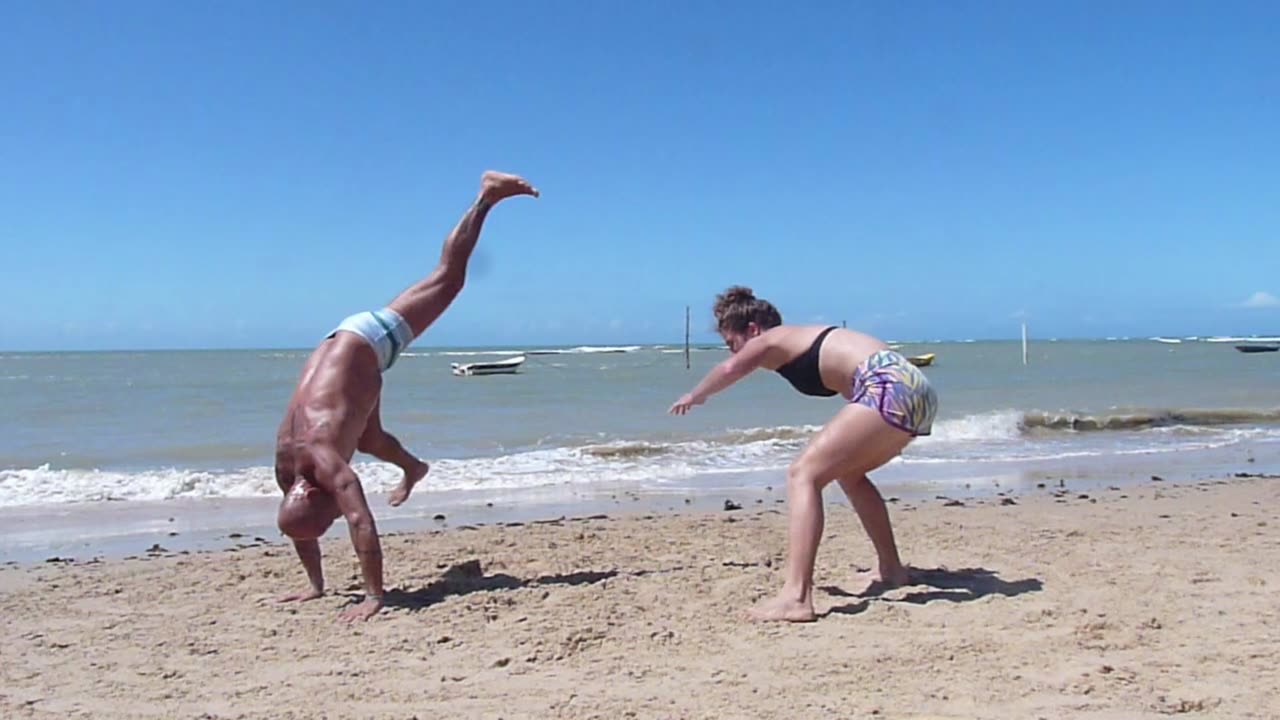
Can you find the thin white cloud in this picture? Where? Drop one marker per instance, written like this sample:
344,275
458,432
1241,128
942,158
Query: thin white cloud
1261,299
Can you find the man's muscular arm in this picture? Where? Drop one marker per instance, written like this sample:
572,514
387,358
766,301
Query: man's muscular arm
333,474
308,550
309,553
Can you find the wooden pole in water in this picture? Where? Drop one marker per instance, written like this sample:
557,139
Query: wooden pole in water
1024,342
686,337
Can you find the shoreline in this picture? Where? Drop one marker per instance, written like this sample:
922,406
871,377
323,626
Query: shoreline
113,530
1138,603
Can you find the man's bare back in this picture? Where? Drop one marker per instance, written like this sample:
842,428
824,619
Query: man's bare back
338,388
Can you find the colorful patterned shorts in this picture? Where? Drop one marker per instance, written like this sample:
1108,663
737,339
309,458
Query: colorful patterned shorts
889,384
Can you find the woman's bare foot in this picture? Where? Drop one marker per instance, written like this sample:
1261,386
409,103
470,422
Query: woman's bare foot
782,609
411,478
878,582
495,186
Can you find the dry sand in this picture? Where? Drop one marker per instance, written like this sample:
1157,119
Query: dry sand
1144,602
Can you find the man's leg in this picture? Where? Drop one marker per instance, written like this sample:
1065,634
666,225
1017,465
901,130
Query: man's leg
383,445
387,448
427,299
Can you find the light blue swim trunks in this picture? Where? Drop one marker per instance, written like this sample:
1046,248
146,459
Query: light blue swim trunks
385,331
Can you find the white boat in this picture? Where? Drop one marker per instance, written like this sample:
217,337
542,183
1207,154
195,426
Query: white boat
1168,340
496,367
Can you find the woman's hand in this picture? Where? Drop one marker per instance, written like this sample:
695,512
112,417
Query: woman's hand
684,404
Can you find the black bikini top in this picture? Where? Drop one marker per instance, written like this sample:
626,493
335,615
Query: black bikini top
802,370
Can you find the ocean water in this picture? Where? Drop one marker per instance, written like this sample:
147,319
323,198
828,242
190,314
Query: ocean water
107,430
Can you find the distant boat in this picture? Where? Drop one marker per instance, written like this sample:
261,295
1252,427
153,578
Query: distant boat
497,367
922,360
1257,348
1167,340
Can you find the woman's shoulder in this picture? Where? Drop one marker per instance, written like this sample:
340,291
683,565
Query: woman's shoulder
793,339
806,330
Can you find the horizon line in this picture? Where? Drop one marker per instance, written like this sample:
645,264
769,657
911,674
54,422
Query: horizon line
679,344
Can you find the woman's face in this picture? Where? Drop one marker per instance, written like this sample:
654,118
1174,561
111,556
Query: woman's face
735,340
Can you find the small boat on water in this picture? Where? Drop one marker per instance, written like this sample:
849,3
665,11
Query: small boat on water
922,360
497,367
1255,348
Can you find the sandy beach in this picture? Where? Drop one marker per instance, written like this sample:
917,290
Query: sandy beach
1149,601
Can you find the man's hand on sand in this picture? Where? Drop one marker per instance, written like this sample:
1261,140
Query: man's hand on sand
363,611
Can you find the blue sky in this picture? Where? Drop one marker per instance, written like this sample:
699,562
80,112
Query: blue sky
246,174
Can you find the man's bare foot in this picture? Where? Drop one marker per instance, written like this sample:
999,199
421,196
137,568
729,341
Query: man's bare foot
782,609
495,186
411,478
877,582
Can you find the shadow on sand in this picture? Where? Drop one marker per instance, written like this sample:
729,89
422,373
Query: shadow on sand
468,577
927,585
963,585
